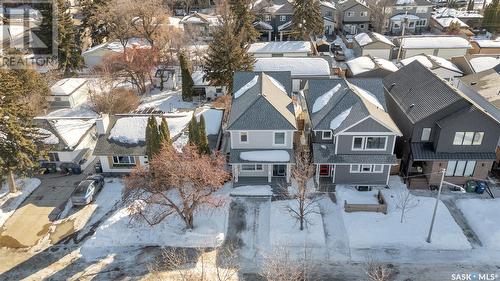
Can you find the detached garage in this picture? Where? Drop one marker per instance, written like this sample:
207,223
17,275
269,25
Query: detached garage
373,44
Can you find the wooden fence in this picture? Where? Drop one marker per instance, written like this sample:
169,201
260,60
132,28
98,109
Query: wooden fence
381,207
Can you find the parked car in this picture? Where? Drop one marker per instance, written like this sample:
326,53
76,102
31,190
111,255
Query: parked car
339,56
335,47
85,191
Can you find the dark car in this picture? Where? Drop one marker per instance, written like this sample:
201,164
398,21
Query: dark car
339,56
335,47
87,189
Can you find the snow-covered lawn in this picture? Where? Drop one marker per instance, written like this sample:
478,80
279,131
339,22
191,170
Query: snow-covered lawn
10,201
482,216
166,101
376,230
285,229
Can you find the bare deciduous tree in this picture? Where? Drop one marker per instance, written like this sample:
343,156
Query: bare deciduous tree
281,265
379,12
377,271
176,183
305,201
405,202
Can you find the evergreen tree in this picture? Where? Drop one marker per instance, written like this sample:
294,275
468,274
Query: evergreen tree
307,19
245,18
164,132
225,53
194,136
96,29
187,80
470,5
203,147
491,20
152,137
69,53
18,137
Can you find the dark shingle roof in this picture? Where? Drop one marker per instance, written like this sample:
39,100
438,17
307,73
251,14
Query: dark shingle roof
263,106
105,146
325,153
419,92
425,151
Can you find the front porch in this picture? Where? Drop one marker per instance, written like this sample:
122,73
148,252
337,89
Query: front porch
266,172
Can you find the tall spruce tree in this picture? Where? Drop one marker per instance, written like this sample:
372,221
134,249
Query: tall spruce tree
470,5
193,134
187,80
203,147
491,19
307,19
164,133
69,53
152,137
225,53
18,137
96,29
245,18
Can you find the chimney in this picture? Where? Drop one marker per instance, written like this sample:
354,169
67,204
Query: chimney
102,124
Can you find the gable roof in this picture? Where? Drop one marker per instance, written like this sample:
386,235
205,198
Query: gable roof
347,4
364,39
434,42
68,132
346,105
432,62
263,102
364,64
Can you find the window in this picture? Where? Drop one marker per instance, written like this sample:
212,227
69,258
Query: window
478,138
421,10
460,168
361,26
357,143
218,90
426,134
422,22
367,168
375,143
468,138
57,99
411,24
243,137
396,25
251,167
350,14
282,18
53,157
327,135
124,160
279,138
267,18
328,14
363,13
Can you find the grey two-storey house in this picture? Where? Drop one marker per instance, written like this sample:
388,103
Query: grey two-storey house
261,128
353,16
416,14
352,135
442,128
274,19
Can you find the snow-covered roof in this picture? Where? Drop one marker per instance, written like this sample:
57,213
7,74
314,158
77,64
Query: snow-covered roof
280,47
298,66
484,63
488,43
432,62
435,42
366,63
456,13
284,26
405,2
246,87
328,4
132,129
265,155
67,86
117,47
72,130
198,78
199,18
213,120
447,21
48,136
403,16
322,100
364,39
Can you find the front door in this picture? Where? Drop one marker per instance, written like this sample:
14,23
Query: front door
279,170
324,170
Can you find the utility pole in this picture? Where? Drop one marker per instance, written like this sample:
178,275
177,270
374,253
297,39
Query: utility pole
405,19
436,206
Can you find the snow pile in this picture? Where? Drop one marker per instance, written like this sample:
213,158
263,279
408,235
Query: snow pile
323,100
249,190
363,39
301,66
337,121
48,136
132,130
285,229
368,96
386,231
265,156
9,202
360,65
213,120
72,130
277,84
246,87
385,64
484,63
481,216
166,101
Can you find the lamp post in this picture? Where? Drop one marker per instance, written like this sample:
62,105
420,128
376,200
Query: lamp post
436,206
405,20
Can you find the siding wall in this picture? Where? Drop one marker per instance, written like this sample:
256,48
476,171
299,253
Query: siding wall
260,140
344,176
345,145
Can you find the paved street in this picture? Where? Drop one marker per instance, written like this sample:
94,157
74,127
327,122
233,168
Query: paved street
33,218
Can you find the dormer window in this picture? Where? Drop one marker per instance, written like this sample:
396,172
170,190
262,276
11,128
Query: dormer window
327,135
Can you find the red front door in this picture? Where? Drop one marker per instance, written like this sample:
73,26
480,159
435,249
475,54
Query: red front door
324,170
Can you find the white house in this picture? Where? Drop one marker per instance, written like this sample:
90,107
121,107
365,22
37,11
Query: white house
94,56
441,46
373,44
281,49
301,68
202,87
69,93
442,67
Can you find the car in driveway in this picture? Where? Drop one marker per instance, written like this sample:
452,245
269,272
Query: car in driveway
339,56
86,190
